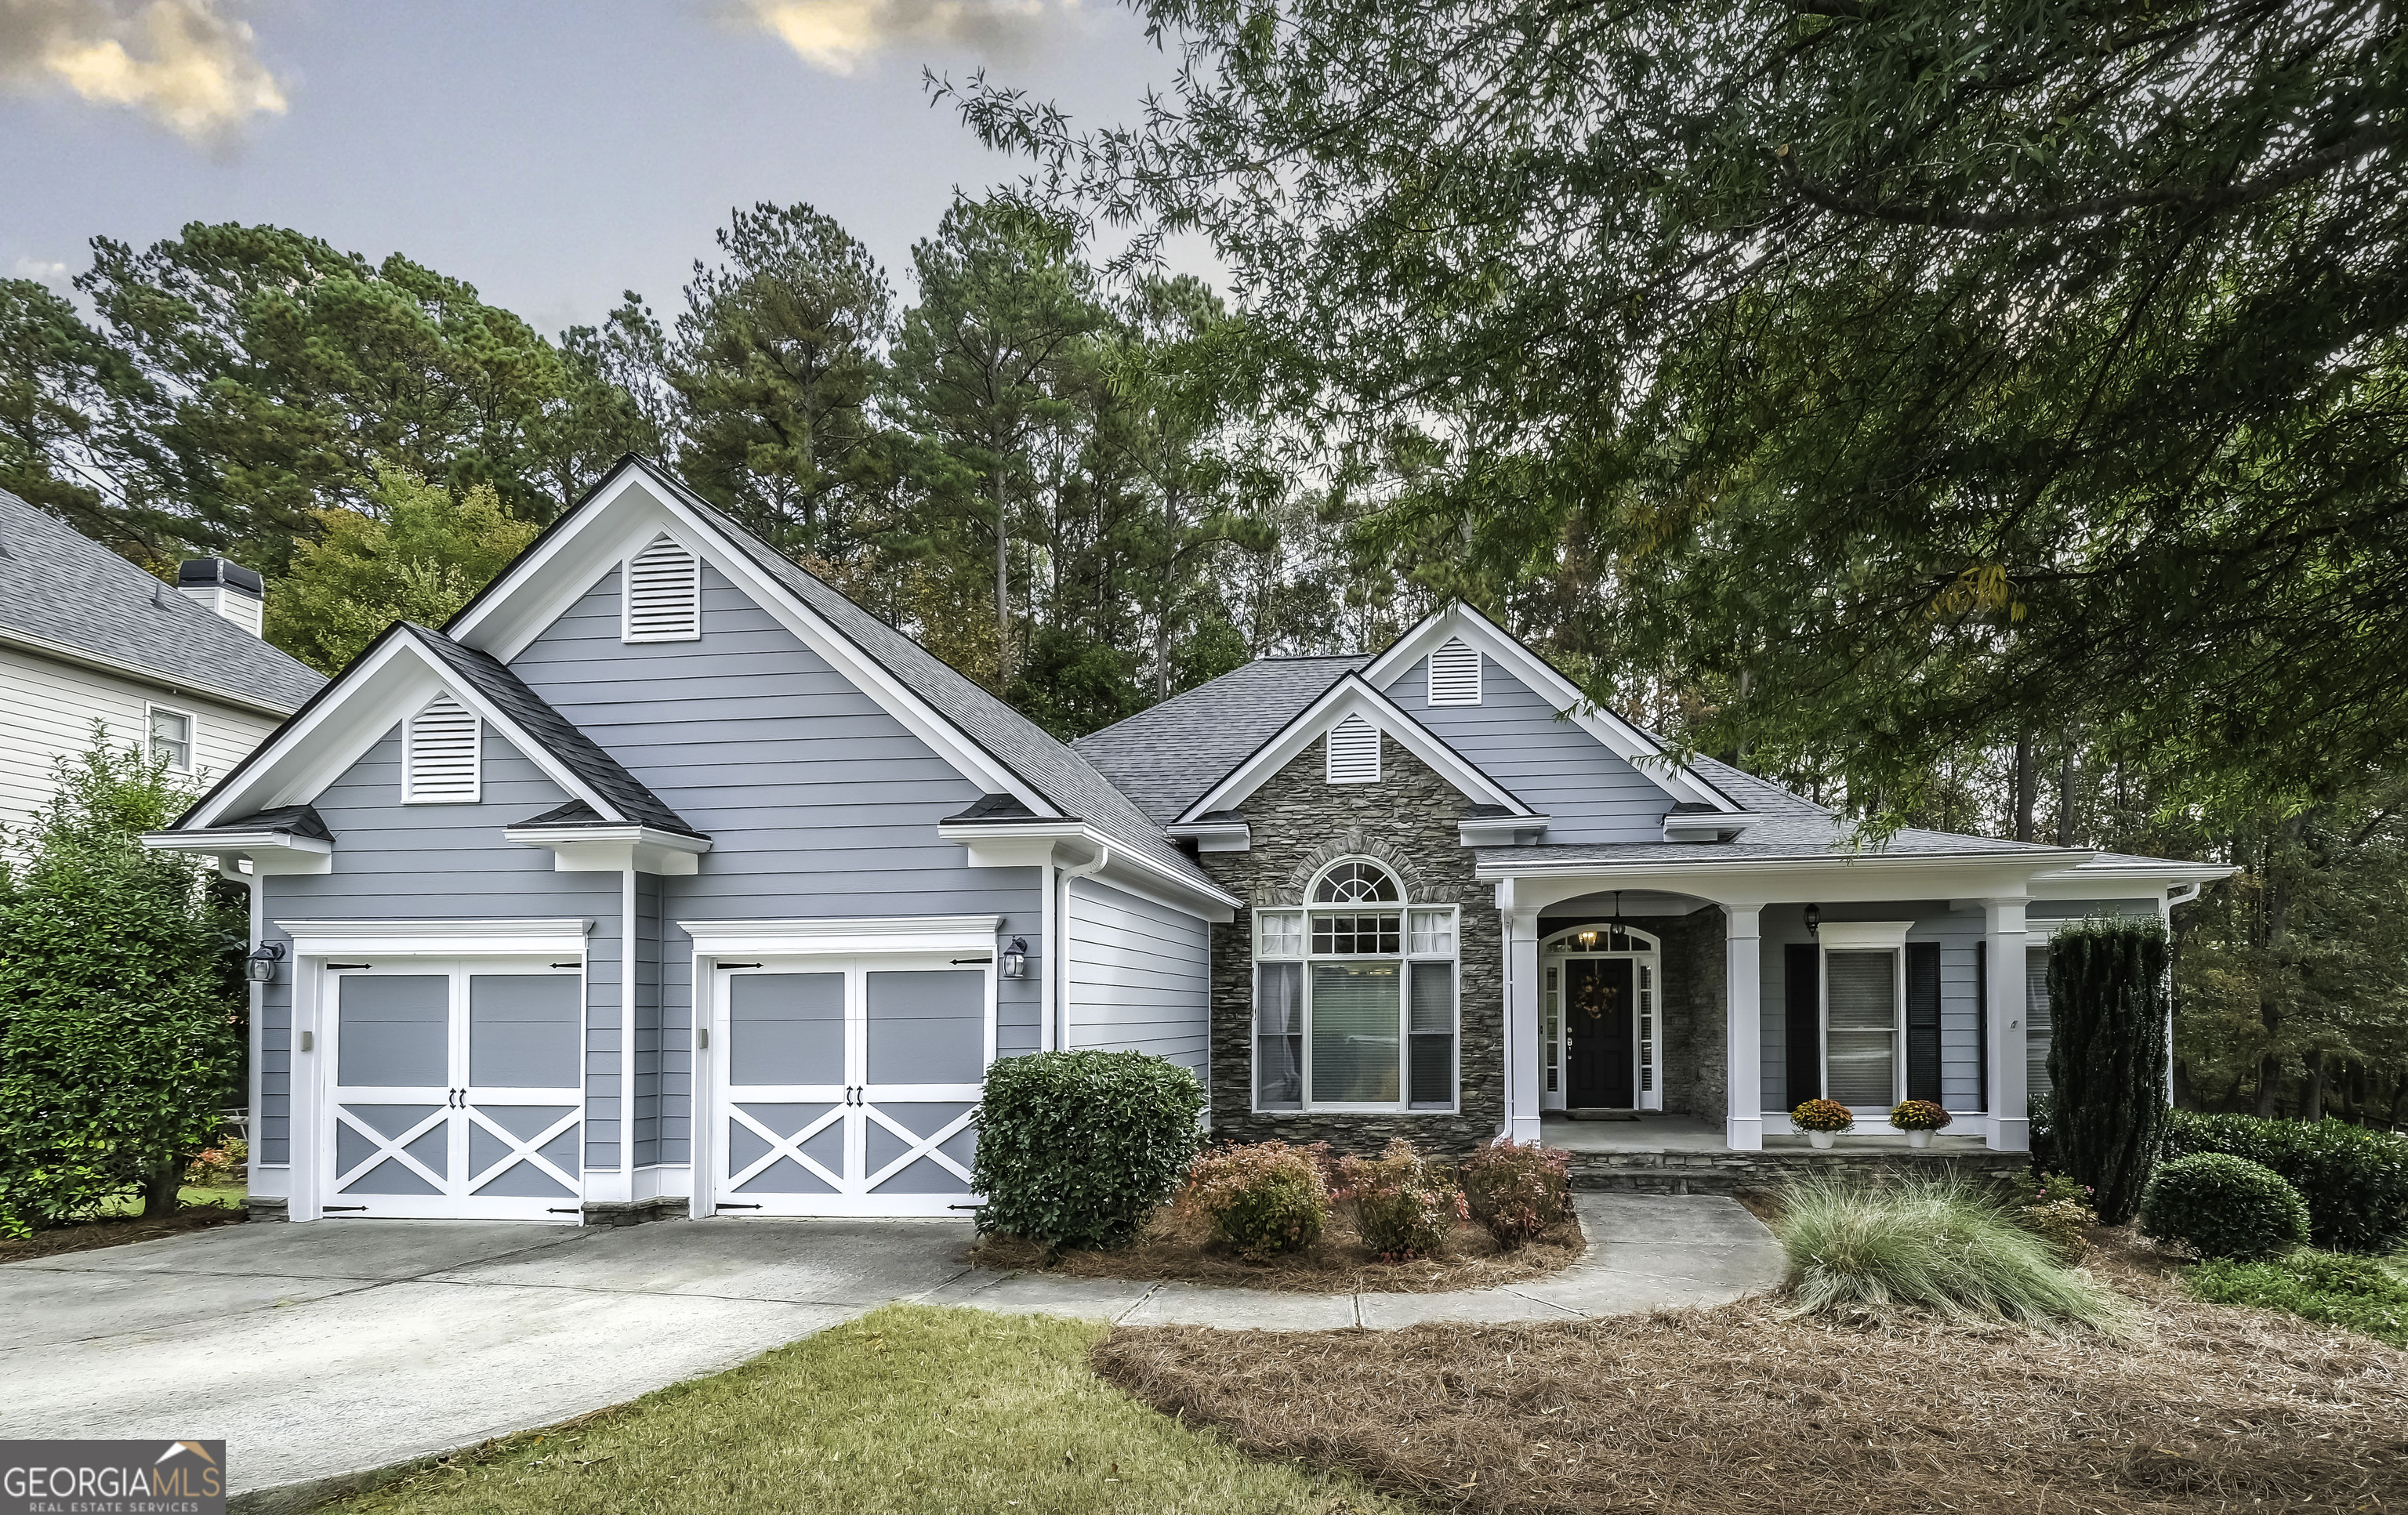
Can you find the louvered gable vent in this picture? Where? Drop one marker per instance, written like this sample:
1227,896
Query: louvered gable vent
1455,674
664,594
1353,752
440,764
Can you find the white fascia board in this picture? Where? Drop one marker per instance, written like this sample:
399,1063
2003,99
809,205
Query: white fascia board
1351,695
272,853
1024,844
1499,829
2127,880
102,663
536,589
613,849
1626,741
1864,879
373,938
1678,827
306,755
832,935
1217,836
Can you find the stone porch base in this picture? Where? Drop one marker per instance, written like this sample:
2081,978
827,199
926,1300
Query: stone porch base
1727,1172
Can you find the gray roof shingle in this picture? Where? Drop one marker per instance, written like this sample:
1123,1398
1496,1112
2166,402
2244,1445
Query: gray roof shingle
64,589
576,751
1165,758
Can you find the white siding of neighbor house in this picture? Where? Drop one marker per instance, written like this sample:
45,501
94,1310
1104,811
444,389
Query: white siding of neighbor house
1589,791
47,708
1139,976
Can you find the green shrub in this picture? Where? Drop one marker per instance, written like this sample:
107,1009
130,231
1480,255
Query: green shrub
1075,1149
2221,1205
2355,1180
2357,1294
2063,1224
1404,1207
1934,1243
1262,1199
1517,1189
2107,1056
121,1008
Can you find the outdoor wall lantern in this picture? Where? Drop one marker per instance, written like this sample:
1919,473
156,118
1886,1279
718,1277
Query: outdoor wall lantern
1814,920
260,967
1015,958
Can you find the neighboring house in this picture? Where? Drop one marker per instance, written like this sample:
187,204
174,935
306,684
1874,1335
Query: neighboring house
87,636
666,878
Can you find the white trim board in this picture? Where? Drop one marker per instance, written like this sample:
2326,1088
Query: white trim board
1626,741
1352,696
453,938
850,937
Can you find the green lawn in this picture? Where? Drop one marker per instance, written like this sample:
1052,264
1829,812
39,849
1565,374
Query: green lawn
2359,1293
132,1204
909,1409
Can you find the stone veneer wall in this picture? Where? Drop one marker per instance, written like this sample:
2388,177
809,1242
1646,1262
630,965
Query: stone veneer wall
1300,822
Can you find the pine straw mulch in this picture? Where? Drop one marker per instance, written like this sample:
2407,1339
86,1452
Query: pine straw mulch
86,1236
1743,1408
1174,1250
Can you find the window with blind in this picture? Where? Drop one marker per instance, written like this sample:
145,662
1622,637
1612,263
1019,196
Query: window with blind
1354,998
1860,1028
662,601
440,754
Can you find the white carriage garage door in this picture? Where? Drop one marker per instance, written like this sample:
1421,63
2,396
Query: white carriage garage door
457,1090
848,1086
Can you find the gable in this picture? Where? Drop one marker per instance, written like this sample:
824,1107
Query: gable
1589,793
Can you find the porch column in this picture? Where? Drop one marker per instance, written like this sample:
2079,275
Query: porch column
1522,1024
2010,1118
1743,1028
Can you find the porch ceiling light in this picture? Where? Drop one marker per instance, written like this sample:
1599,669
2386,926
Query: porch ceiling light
1587,940
1814,920
260,967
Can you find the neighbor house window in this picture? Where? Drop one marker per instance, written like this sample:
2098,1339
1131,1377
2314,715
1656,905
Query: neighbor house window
1354,998
171,738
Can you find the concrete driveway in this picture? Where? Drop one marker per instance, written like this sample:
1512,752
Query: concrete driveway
327,1349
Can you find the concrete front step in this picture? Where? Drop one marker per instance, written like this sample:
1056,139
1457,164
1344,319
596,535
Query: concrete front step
1728,1172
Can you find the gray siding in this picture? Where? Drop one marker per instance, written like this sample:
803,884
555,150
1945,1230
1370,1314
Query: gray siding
1139,976
818,802
1590,793
1957,932
397,862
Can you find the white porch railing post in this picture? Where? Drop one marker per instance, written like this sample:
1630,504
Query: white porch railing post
2010,1103
1522,1024
1743,1028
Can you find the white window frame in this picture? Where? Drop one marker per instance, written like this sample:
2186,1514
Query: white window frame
627,632
1868,936
1272,947
1647,986
476,795
151,709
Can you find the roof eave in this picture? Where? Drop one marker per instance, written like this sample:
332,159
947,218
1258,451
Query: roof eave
172,684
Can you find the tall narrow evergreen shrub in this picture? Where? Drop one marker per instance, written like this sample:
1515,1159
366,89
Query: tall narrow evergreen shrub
2108,1058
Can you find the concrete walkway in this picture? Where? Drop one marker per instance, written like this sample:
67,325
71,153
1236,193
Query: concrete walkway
321,1349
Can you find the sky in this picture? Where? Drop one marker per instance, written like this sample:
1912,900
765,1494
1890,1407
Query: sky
550,152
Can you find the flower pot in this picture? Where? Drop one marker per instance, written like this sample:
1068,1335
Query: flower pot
1822,1139
1918,1139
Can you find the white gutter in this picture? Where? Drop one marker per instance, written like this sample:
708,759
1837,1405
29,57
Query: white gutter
1806,863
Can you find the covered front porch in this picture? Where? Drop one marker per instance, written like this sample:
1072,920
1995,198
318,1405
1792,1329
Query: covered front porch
1704,998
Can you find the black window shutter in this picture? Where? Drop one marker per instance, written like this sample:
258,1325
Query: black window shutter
1982,1017
1802,995
1923,1021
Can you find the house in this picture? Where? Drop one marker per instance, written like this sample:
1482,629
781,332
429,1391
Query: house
666,879
87,636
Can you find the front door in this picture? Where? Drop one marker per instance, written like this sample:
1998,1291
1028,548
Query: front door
1597,1008
849,1086
458,1090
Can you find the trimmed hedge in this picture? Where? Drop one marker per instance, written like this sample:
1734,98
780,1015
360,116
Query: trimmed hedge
2107,1056
2223,1206
2355,1180
1075,1149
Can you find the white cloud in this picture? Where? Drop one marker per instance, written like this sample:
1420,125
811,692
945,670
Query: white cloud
184,64
839,34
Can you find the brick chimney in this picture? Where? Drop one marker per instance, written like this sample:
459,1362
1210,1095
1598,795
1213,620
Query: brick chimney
228,589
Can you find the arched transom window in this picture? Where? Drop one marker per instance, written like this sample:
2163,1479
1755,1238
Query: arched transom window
1354,997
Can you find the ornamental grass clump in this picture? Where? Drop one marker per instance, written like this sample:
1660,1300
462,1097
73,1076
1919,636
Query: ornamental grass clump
1935,1244
2222,1206
1517,1189
1404,1206
1262,1198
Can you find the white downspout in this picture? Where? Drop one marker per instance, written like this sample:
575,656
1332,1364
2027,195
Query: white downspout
1062,926
1046,969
